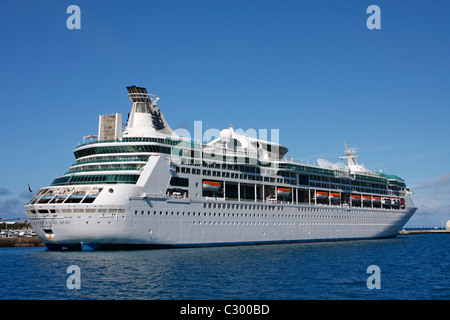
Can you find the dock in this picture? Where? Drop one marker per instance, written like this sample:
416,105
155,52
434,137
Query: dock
423,231
20,242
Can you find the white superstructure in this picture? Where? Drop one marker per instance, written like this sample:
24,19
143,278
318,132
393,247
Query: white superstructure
146,187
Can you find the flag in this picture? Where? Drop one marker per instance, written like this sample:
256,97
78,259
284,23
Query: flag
29,188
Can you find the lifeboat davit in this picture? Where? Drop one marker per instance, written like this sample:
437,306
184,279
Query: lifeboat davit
322,194
211,185
283,192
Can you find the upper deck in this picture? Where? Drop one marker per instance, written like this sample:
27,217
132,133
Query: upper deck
241,167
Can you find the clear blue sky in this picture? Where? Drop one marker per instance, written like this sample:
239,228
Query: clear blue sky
311,69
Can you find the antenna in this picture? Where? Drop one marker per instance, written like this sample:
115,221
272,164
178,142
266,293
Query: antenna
352,164
349,151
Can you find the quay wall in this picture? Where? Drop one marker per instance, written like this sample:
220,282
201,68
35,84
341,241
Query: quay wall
21,242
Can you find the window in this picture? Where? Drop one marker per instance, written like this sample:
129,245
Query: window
142,107
121,149
112,178
179,182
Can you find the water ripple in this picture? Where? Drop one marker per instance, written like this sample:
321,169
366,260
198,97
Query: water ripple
412,267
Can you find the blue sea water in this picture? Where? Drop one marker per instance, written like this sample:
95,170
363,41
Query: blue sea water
411,267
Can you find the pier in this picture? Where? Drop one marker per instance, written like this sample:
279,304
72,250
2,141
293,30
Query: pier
18,234
423,231
21,242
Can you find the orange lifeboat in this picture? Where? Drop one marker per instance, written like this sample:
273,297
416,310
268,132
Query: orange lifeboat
211,185
283,192
335,195
367,198
376,199
356,197
321,194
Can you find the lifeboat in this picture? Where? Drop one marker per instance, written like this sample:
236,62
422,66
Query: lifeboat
335,196
283,192
211,185
367,199
322,194
356,197
376,199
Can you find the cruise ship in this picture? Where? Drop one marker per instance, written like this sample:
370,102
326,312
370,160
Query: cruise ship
141,185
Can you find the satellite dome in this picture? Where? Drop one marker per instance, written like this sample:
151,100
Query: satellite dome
225,135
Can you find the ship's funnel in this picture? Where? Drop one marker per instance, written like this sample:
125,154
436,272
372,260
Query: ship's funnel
145,119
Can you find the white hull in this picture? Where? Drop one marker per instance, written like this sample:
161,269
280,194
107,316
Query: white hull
178,223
